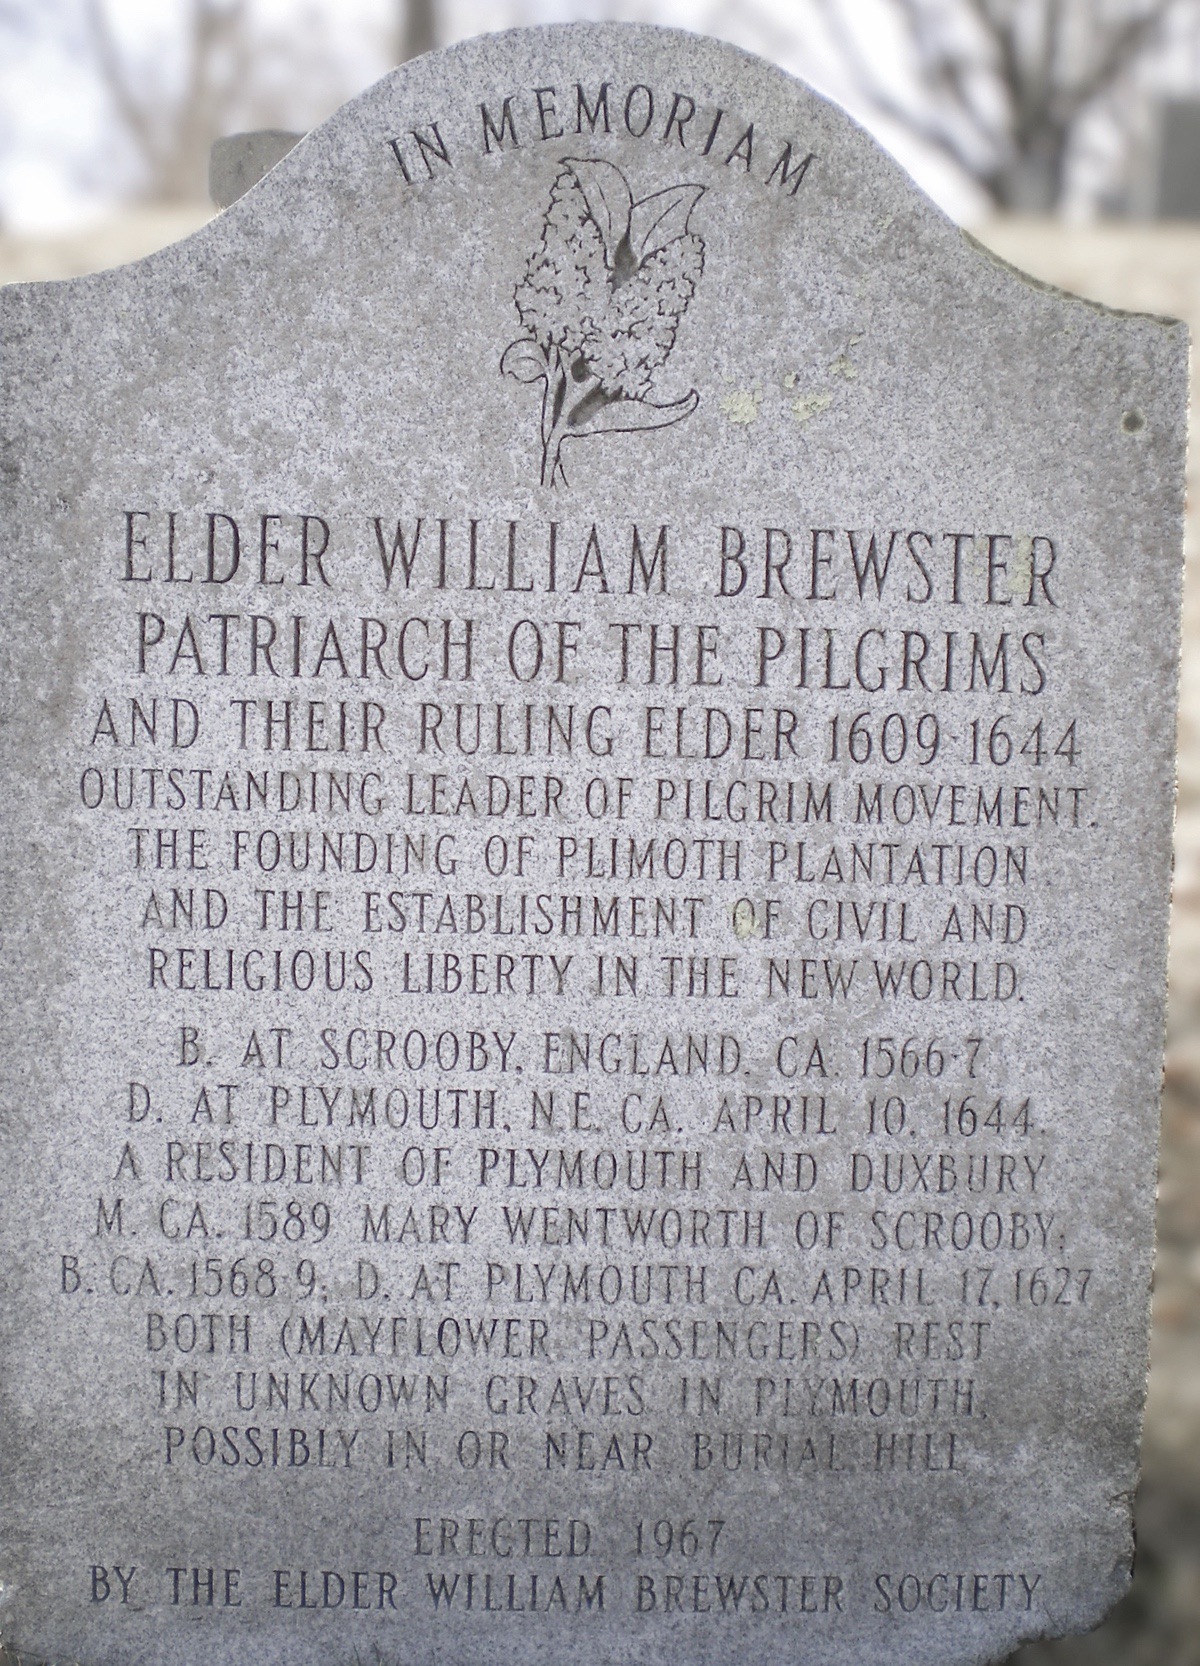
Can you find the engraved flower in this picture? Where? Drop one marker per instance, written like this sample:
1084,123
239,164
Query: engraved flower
601,301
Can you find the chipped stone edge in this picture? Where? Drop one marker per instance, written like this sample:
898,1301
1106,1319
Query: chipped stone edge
1058,293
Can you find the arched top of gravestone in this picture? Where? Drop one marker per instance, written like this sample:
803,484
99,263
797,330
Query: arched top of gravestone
585,254
451,114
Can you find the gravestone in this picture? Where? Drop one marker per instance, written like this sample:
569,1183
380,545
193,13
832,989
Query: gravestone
1179,160
587,774
240,160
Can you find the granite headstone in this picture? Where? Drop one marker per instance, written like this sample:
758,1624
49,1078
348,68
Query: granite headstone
581,1021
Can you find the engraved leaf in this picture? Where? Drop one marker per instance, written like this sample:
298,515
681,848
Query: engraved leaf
658,220
524,361
608,198
624,416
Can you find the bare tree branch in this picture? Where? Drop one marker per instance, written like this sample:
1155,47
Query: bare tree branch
170,125
1003,87
926,127
1125,47
112,75
171,78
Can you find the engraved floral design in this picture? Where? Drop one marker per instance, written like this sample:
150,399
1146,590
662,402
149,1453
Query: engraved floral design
600,302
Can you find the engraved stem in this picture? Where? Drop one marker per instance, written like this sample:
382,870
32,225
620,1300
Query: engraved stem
554,421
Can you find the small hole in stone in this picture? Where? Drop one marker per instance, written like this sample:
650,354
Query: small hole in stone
1133,422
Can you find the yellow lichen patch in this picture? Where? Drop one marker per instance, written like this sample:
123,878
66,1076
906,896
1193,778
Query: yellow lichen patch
809,405
741,405
1020,566
745,920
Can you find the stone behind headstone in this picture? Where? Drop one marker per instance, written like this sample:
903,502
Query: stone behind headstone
587,781
240,160
1179,160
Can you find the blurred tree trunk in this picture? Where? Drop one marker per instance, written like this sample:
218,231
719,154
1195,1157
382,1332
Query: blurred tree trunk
417,30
